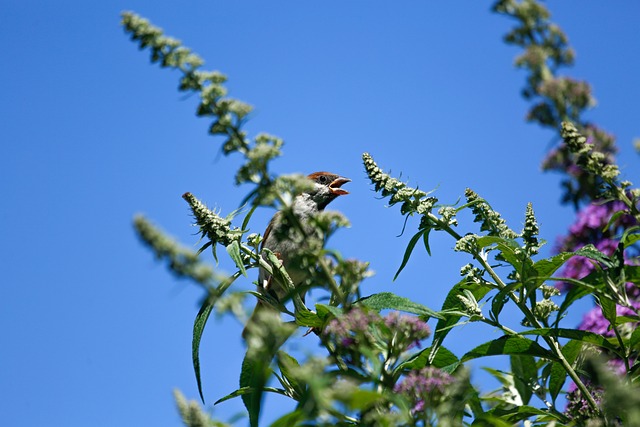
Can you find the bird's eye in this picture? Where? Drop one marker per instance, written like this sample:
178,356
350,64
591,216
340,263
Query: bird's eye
322,179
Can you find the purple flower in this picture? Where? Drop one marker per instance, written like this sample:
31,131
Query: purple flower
407,330
590,223
578,408
595,321
399,331
347,328
589,228
424,387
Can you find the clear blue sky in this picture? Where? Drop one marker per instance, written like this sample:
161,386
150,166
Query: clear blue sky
94,331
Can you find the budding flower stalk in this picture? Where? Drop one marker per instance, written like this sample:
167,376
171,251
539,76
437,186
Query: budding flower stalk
212,225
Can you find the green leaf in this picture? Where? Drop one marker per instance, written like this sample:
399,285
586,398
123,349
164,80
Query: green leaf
608,310
308,318
632,274
291,419
256,368
442,358
525,374
518,259
407,252
245,222
388,300
590,251
484,241
324,310
507,248
574,334
253,377
425,239
579,289
520,413
630,236
234,252
509,345
558,374
621,320
286,362
452,302
247,390
361,399
487,420
613,219
557,378
198,328
205,246
546,267
634,341
498,302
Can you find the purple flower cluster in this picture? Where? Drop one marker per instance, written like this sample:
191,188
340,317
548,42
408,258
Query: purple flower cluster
588,229
595,321
578,408
579,267
590,223
407,330
424,387
359,328
352,327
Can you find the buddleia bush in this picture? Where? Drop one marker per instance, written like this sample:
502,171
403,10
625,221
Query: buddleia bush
381,362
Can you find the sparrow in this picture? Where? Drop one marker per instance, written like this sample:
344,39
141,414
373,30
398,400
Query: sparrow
287,245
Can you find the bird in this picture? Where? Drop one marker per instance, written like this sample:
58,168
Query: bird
288,245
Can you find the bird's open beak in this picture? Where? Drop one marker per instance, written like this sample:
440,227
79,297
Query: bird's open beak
336,184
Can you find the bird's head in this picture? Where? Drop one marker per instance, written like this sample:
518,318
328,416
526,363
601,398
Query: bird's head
327,186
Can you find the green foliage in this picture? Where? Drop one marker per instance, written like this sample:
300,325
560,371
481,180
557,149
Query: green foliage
372,371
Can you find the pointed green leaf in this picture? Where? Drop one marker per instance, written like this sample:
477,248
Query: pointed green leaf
509,345
245,222
324,310
362,399
291,419
234,252
613,219
498,302
286,363
308,318
634,341
579,289
388,300
247,390
452,302
205,246
608,310
574,334
621,320
546,267
525,374
443,357
484,241
632,274
425,240
256,368
198,328
407,253
558,374
253,376
520,413
630,236
590,251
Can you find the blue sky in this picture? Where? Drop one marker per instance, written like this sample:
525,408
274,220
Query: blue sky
94,330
